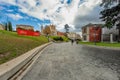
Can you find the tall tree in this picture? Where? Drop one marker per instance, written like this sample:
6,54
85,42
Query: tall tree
9,26
108,3
67,28
111,14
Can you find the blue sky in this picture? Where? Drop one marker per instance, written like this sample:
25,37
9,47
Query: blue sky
12,13
45,12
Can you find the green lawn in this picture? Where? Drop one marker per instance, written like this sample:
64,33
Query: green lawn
102,44
13,45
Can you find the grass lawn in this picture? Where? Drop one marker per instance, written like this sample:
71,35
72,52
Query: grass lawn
102,44
13,45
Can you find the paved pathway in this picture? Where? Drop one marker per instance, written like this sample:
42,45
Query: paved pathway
63,61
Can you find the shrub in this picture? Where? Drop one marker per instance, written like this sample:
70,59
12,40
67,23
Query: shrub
59,38
65,39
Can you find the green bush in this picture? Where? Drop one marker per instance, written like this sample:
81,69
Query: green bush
65,39
59,38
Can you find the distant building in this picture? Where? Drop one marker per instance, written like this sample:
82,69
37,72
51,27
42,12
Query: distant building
60,33
49,30
2,27
107,32
25,27
26,30
91,32
78,36
73,35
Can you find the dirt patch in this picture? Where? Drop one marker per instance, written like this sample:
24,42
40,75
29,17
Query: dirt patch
4,54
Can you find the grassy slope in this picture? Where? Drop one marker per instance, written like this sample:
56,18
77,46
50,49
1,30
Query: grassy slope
13,45
102,44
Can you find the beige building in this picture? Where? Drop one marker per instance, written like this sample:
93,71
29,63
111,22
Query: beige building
26,27
73,35
49,30
2,27
85,33
78,36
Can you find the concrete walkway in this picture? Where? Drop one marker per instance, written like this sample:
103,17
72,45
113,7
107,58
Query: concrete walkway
63,61
10,68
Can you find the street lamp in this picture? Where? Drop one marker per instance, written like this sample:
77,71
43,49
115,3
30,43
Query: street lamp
47,35
95,35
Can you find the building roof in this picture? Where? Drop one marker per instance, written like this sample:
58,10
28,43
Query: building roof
90,24
24,25
27,27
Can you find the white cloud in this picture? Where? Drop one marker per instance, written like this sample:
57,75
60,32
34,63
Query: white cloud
10,10
58,13
1,8
15,16
87,6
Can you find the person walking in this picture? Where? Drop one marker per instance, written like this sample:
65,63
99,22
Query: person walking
77,41
72,41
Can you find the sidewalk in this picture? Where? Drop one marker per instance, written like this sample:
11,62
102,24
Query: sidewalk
11,67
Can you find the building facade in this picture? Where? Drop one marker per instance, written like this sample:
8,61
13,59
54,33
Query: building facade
107,32
92,33
60,33
2,27
49,30
85,33
73,35
26,30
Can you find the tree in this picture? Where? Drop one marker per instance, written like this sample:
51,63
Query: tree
108,3
111,14
6,26
67,28
9,26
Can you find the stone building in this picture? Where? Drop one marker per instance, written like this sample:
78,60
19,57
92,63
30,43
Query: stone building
73,35
2,27
49,30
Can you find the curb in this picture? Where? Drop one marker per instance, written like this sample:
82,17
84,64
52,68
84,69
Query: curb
11,67
102,47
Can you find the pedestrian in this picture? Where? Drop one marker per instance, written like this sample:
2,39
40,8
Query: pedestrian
77,41
72,41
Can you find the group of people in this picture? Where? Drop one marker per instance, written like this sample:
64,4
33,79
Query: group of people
72,41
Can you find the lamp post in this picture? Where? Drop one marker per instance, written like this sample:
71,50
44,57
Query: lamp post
95,35
47,36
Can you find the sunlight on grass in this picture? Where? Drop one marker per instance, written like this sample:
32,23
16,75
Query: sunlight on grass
102,44
13,45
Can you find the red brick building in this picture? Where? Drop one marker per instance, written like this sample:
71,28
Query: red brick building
26,30
95,34
92,32
60,33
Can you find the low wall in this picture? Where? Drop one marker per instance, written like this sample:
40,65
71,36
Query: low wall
11,67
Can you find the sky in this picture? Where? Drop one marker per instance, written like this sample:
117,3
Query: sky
75,13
